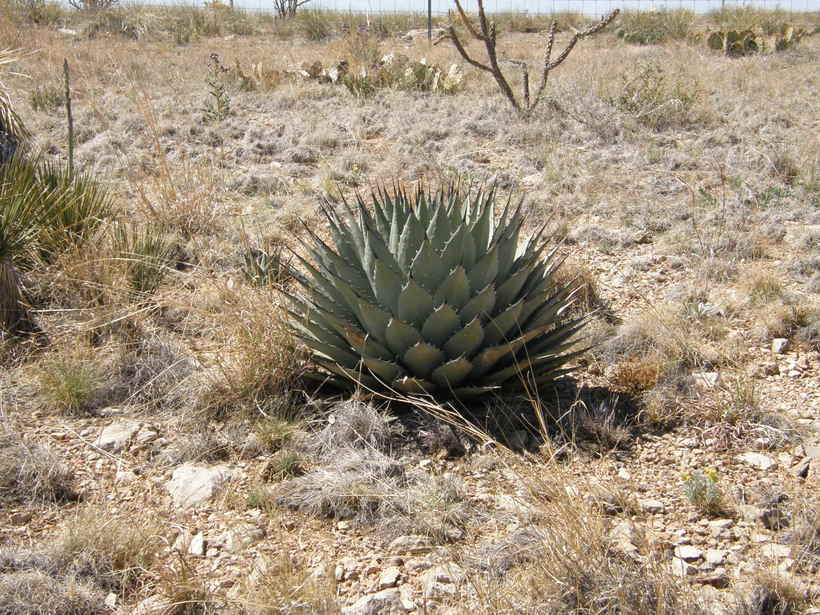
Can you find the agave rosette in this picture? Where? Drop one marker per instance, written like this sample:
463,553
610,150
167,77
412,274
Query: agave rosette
431,293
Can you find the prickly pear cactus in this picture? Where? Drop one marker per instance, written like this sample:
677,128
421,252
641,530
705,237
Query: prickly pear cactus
736,43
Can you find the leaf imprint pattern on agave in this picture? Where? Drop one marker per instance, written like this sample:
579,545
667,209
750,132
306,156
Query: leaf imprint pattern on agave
430,293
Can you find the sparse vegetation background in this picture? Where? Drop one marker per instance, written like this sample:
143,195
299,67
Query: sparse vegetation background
147,342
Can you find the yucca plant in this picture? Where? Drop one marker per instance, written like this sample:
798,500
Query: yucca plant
21,215
430,293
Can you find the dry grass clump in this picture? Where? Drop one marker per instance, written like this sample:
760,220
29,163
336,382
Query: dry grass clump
659,337
789,317
804,533
771,594
654,27
70,383
152,373
35,592
353,424
568,564
112,552
95,554
436,507
283,586
178,590
259,358
359,482
358,485
31,472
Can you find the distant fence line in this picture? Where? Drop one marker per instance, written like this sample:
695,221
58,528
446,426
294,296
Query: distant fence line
592,8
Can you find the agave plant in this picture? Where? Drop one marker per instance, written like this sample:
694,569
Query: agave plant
431,294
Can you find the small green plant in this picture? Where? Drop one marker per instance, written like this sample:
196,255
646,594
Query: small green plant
218,104
265,267
284,464
147,254
69,384
47,98
655,98
703,492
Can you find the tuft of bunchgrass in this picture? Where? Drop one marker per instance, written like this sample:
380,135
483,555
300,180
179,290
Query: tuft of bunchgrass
146,253
284,586
69,384
114,553
32,473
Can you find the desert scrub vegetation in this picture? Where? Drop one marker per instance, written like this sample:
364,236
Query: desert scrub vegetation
691,235
653,27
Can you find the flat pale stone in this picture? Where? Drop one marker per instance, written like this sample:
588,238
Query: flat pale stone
688,553
192,485
116,436
775,550
197,546
389,577
758,460
780,345
651,506
385,602
716,556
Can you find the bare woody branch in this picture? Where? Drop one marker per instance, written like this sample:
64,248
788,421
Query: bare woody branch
486,32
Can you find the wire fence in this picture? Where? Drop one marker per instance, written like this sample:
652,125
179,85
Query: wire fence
591,8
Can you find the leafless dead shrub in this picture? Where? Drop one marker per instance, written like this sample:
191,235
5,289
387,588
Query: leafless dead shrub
486,33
